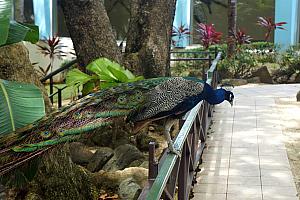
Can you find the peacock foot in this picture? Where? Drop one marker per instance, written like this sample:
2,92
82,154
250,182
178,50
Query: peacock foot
173,150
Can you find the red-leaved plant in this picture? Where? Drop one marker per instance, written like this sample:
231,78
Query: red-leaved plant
269,25
240,37
180,32
208,34
52,49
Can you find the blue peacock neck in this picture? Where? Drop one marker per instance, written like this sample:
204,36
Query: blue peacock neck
213,96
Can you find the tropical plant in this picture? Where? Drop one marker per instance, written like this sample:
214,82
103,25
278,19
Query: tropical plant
12,31
208,34
52,49
269,25
242,38
180,33
21,104
106,74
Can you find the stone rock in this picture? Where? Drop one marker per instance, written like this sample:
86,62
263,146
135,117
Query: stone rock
101,156
145,164
79,153
282,79
298,96
235,82
253,80
124,155
112,179
128,189
263,74
143,140
295,78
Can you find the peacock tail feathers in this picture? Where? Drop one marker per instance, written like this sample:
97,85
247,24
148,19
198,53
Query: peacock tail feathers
80,119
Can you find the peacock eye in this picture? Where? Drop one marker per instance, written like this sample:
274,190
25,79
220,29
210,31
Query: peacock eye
122,100
61,132
139,96
46,134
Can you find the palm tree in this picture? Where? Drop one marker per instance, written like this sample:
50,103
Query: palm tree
232,19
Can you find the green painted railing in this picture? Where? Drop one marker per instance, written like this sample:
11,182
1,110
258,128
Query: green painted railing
172,170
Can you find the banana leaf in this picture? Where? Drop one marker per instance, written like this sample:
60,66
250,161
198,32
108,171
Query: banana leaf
12,31
20,104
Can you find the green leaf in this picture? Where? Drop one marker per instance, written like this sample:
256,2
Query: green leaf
20,32
4,24
5,15
12,31
88,88
75,76
129,74
118,73
104,85
99,67
21,104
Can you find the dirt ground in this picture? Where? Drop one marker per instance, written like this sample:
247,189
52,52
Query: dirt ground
289,110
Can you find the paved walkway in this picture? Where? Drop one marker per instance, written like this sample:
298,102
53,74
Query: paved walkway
246,156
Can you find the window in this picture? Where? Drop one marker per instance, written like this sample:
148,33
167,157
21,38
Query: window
215,11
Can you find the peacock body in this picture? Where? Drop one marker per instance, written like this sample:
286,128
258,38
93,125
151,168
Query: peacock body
136,102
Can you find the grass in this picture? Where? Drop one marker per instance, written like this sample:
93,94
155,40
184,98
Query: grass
67,93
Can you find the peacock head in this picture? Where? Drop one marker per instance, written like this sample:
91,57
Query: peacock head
229,97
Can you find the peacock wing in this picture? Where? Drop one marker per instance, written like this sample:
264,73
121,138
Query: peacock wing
162,100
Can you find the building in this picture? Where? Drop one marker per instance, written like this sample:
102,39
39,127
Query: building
191,12
48,15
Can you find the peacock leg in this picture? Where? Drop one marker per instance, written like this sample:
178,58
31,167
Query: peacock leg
168,125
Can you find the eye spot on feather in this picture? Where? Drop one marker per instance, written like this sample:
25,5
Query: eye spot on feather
61,132
139,97
46,134
77,115
122,100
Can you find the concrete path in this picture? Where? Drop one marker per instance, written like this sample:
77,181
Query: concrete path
245,156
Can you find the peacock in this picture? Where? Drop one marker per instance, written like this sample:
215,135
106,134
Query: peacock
136,103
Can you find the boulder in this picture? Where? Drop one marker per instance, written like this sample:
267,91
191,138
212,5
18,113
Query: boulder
254,80
128,189
112,179
298,96
143,140
294,78
79,153
124,155
98,160
263,74
235,82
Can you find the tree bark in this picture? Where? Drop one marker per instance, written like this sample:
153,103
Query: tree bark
19,10
90,30
232,19
16,66
149,36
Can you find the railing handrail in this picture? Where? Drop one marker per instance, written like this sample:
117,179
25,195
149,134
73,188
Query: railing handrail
213,67
55,72
169,161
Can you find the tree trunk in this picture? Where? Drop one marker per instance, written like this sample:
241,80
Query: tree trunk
90,30
19,10
149,36
16,66
232,18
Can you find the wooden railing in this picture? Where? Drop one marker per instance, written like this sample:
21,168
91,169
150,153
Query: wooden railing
172,171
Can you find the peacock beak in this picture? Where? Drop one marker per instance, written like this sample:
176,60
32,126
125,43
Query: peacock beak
231,103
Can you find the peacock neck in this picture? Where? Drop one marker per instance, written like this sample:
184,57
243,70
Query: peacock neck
214,96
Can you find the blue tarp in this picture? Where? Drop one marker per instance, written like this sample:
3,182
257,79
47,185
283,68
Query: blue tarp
182,17
42,17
